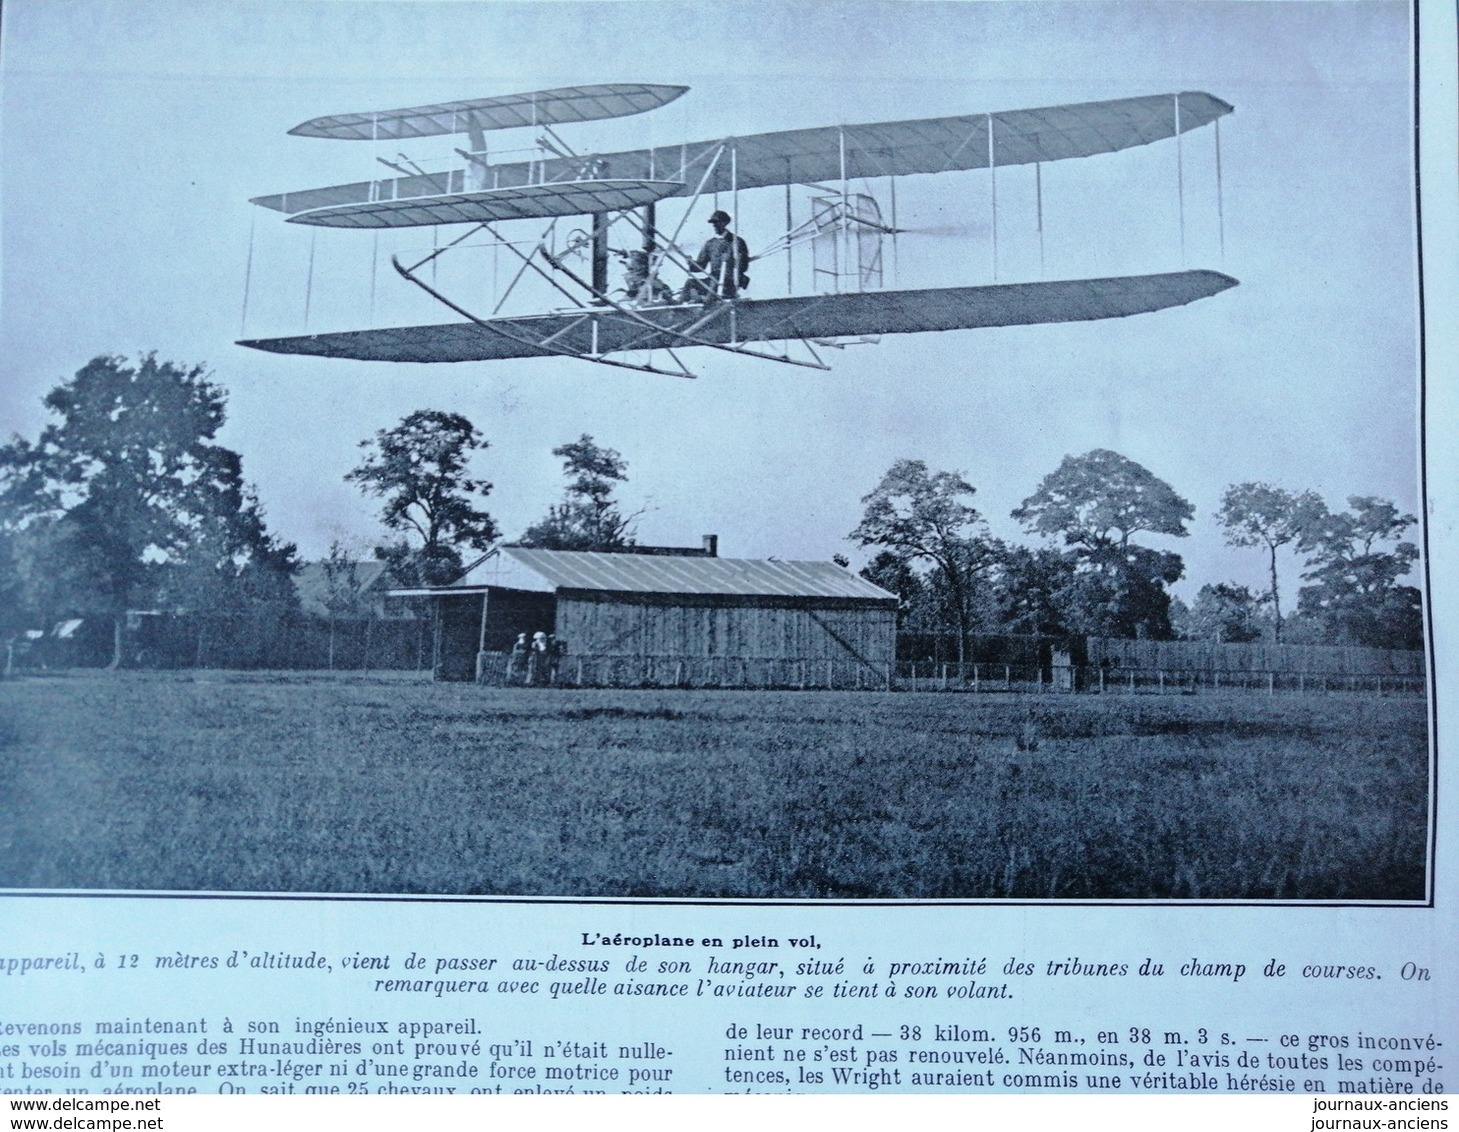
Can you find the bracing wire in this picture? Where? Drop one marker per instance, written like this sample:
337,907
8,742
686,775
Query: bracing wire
789,255
1220,203
1179,180
374,267
993,189
247,275
1038,194
309,279
374,195
896,260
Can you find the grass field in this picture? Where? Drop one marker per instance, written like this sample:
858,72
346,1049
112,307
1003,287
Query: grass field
350,783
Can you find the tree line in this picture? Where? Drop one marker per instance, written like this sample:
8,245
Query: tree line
127,501
1092,575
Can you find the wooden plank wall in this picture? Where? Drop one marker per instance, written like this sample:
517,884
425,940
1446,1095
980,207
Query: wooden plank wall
805,630
1255,656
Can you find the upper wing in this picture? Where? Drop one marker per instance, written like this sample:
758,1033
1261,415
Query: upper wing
924,145
758,320
878,149
537,108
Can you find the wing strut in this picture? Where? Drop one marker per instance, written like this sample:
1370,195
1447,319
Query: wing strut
686,335
655,262
524,340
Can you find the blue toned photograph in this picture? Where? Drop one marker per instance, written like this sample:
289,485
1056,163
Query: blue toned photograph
767,451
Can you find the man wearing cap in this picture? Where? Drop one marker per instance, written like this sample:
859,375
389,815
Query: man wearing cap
725,257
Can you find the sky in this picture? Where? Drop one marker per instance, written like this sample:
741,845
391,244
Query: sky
135,131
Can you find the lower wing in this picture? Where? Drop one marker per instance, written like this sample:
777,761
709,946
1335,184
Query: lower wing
594,332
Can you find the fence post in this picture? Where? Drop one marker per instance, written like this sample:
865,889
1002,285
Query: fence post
1008,677
975,676
1100,670
944,677
1132,681
1271,682
1160,676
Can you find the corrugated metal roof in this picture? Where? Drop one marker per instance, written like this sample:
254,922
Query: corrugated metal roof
547,571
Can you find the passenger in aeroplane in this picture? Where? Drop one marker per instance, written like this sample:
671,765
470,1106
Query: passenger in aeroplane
725,258
636,281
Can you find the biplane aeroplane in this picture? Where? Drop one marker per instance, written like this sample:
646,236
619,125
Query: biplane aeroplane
647,319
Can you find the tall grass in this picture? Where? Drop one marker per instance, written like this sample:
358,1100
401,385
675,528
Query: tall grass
389,784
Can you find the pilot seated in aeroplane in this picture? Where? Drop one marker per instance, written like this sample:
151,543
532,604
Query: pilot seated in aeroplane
723,259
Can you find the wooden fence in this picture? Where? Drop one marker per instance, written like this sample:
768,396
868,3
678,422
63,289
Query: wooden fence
498,669
928,676
288,641
1254,656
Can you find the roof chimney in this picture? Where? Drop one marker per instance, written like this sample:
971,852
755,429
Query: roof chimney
711,546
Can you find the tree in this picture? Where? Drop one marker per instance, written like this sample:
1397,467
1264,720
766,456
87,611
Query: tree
921,516
232,565
893,573
51,574
419,468
1096,503
1356,593
117,500
13,612
1223,612
588,518
1033,586
1257,514
343,587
